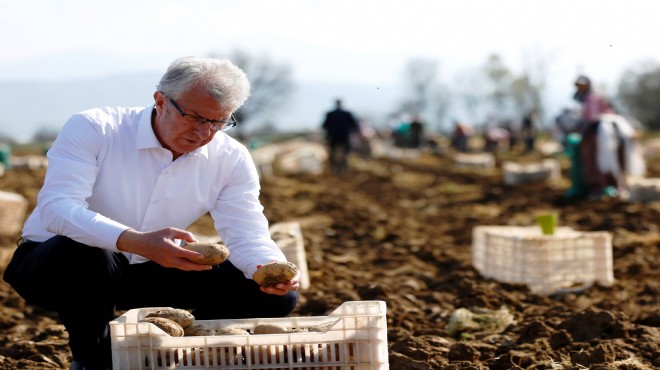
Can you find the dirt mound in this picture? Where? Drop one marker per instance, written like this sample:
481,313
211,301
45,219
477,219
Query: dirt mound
401,231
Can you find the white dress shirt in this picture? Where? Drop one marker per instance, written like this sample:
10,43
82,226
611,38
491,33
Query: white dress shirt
108,172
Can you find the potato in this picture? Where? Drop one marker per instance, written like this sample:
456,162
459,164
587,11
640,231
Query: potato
214,254
323,327
270,329
274,273
168,326
198,331
231,331
178,315
298,330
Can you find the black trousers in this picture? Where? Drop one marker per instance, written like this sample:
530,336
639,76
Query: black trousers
85,285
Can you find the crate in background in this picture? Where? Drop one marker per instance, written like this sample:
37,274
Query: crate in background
288,237
643,189
522,173
479,160
13,208
566,260
356,339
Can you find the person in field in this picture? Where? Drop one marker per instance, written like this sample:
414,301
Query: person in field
122,186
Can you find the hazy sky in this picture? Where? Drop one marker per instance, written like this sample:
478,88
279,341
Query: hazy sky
357,41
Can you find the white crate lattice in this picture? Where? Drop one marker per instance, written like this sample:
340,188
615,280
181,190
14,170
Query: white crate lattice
568,259
356,339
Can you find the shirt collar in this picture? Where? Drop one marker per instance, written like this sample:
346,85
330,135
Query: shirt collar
146,137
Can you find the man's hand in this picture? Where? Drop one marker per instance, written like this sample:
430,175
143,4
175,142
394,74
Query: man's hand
283,288
159,246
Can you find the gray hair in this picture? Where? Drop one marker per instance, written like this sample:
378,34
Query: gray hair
226,82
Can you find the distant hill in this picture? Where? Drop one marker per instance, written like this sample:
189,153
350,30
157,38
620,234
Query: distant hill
28,106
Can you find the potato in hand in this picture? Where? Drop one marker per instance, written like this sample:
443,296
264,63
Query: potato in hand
214,254
274,273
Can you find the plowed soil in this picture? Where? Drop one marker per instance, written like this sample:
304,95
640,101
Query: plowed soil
400,230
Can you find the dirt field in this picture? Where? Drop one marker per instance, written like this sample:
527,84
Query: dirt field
401,231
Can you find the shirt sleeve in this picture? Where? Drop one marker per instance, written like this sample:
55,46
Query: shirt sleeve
72,171
240,222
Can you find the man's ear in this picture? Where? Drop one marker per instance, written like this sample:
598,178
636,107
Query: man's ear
159,101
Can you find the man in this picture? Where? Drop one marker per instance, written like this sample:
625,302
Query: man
121,187
416,132
339,125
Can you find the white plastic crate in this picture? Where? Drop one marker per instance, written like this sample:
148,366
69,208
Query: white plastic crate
288,237
566,260
643,189
356,340
522,173
13,207
483,160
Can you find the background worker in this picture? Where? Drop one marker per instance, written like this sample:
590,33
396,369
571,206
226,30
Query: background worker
339,125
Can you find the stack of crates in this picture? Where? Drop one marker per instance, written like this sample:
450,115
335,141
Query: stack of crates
354,338
565,261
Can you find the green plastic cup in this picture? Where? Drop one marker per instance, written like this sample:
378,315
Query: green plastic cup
548,223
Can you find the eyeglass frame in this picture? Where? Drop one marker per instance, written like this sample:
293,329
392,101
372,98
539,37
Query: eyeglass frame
226,125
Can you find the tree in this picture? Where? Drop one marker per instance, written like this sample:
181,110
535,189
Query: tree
45,134
500,80
639,91
527,88
271,85
426,96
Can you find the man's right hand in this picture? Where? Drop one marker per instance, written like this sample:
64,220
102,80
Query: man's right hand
159,246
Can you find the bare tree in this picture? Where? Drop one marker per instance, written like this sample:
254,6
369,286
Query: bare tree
426,96
45,134
639,91
420,76
470,91
527,88
500,82
272,85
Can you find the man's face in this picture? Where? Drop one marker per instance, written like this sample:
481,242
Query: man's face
582,87
182,134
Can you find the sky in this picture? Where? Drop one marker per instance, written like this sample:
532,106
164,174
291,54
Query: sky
365,42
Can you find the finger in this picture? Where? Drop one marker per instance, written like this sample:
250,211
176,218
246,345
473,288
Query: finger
290,285
182,234
273,290
189,254
186,265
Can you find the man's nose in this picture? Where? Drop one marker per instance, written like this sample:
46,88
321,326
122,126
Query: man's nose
203,130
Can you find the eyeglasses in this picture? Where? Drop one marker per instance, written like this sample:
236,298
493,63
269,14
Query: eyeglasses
216,125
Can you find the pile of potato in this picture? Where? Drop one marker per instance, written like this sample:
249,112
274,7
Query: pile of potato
179,322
